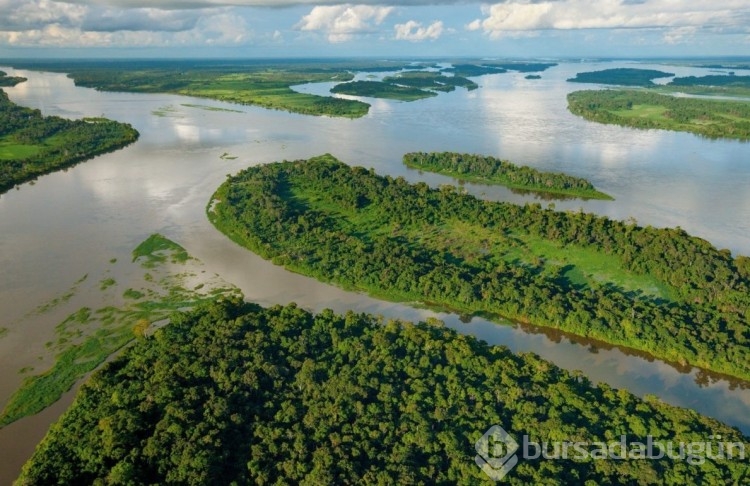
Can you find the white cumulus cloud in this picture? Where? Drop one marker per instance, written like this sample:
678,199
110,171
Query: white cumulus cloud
48,23
414,31
522,15
343,22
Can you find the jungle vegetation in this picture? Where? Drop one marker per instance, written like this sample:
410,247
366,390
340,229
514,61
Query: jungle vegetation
380,89
233,393
490,67
405,86
643,109
9,81
260,83
489,170
711,85
32,145
660,291
621,76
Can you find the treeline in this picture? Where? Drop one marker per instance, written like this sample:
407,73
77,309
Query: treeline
260,85
54,142
430,80
405,86
706,117
10,81
472,70
487,169
232,393
379,89
621,76
352,227
712,80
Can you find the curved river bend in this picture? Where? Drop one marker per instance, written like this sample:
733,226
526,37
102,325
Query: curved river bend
72,222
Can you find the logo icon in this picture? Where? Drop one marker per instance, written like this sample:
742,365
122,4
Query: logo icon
496,453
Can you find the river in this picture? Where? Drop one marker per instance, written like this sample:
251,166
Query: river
76,221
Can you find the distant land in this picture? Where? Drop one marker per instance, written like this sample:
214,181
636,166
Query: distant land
580,273
489,170
32,145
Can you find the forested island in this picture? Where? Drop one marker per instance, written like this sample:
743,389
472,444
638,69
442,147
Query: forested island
495,67
233,393
32,145
380,89
659,291
411,85
621,76
722,85
405,86
645,109
265,84
489,170
713,84
10,81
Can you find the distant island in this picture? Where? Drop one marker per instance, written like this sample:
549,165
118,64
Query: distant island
32,145
412,85
489,170
10,81
266,84
621,76
644,109
721,85
379,89
233,393
647,289
405,86
713,84
495,67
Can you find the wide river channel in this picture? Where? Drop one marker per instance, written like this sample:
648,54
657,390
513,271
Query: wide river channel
77,221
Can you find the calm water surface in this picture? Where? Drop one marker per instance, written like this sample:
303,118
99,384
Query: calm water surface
73,222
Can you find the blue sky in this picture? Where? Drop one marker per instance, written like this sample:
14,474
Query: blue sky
302,28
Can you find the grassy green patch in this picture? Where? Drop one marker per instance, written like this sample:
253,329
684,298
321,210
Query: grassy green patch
157,249
489,170
88,336
133,294
647,109
3,332
106,283
41,391
10,150
32,145
645,288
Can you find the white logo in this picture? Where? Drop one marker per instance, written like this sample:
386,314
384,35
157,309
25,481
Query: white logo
496,453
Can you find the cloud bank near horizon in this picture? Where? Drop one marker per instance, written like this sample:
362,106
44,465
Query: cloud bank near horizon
307,23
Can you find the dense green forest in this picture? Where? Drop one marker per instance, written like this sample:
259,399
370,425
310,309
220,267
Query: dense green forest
379,89
261,83
232,393
405,86
32,144
621,76
711,85
659,291
431,80
490,67
644,109
712,80
489,170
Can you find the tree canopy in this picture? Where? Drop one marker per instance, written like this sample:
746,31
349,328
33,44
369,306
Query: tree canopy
232,393
664,292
